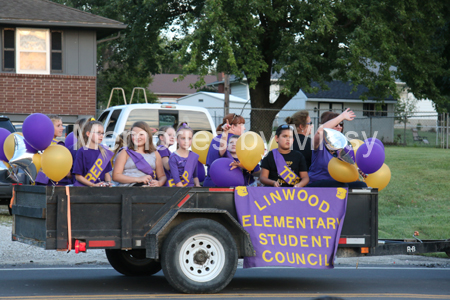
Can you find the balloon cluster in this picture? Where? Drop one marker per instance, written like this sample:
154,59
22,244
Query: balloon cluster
32,150
249,149
366,155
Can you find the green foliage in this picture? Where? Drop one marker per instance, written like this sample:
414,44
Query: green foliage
405,108
298,42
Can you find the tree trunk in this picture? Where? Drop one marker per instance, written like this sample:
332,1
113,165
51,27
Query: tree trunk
263,112
404,131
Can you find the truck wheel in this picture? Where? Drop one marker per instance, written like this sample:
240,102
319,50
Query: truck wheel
132,262
199,256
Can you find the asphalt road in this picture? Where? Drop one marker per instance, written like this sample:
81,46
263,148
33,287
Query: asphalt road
345,282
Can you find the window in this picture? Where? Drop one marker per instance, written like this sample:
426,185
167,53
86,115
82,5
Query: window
32,51
8,49
197,120
56,52
375,110
112,122
150,116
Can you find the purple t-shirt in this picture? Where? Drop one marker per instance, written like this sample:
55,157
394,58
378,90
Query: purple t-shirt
319,164
165,152
84,161
213,154
177,164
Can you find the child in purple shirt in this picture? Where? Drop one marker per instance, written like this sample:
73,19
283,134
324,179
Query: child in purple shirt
93,161
183,162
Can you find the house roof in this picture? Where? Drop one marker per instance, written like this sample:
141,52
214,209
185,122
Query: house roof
342,91
163,84
44,13
218,96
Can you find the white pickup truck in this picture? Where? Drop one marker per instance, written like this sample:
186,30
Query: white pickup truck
116,119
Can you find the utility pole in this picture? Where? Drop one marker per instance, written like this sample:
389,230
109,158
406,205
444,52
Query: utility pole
226,103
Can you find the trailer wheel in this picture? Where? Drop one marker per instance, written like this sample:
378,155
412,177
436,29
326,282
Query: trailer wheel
199,256
132,262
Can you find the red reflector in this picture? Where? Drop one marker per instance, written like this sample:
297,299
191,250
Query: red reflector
100,244
342,241
221,189
184,200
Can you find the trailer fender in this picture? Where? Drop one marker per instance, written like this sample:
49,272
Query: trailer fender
155,237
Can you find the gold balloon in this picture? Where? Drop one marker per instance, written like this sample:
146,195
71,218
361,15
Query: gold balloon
355,144
380,178
37,161
56,162
200,144
9,145
250,149
342,171
272,144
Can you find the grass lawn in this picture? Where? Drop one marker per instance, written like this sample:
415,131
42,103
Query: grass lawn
430,136
418,195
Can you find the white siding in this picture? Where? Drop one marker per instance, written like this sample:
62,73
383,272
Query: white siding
240,90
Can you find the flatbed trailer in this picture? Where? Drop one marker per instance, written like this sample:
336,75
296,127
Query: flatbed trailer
191,233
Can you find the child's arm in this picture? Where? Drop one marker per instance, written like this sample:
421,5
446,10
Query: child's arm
165,161
118,171
304,179
224,139
264,178
107,177
196,182
86,182
159,172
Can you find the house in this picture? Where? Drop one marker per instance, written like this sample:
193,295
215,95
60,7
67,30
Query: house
369,121
339,96
168,90
214,102
48,58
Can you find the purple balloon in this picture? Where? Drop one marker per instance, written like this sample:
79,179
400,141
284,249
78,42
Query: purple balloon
38,130
370,161
70,140
377,141
200,172
3,135
222,176
30,148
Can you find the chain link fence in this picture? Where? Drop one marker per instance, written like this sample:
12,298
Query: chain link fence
418,129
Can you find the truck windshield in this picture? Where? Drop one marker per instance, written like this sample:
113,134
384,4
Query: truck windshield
197,120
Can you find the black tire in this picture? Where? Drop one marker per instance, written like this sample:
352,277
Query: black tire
199,256
132,262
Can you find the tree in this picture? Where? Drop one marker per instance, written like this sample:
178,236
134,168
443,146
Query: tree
299,42
405,109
